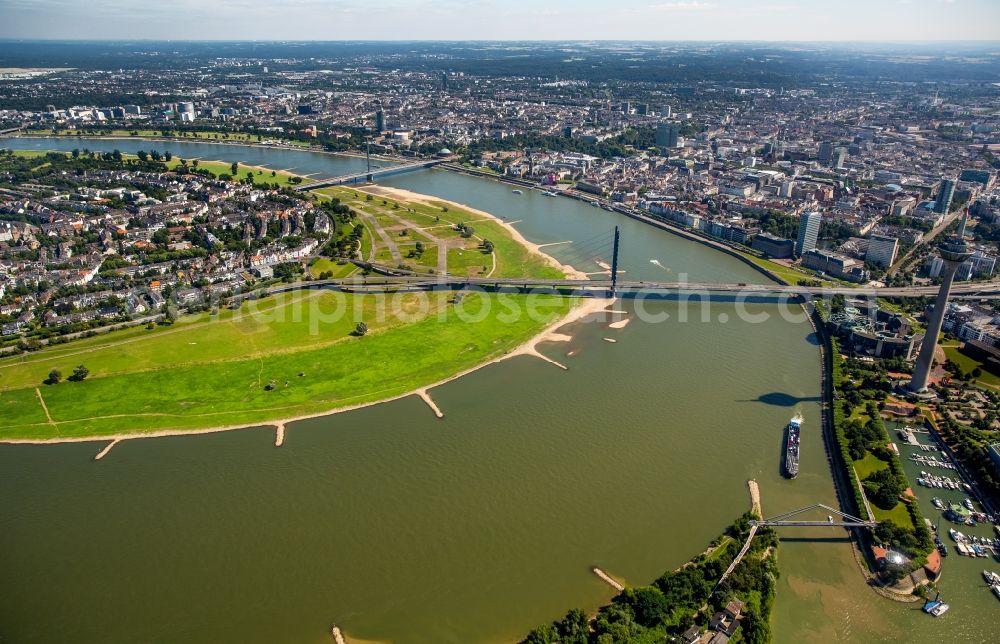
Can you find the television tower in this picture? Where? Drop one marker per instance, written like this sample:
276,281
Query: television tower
953,251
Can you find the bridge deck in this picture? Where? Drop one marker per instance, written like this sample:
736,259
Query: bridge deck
974,291
345,178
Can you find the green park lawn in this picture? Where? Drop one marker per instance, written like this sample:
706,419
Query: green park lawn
438,218
261,174
201,373
897,514
323,265
786,273
967,364
867,465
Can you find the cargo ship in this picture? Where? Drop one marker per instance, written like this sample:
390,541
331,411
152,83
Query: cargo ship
792,446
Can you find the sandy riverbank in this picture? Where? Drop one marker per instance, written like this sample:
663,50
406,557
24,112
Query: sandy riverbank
535,249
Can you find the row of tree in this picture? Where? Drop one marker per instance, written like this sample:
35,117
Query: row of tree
79,374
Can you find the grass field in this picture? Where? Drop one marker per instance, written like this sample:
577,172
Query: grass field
789,275
202,373
261,174
897,514
438,219
967,364
323,264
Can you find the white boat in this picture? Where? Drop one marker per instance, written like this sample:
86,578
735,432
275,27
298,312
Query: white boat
517,192
996,590
991,577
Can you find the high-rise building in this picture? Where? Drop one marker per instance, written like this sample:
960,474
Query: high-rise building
809,224
882,250
945,195
444,81
825,152
667,134
667,111
839,157
380,121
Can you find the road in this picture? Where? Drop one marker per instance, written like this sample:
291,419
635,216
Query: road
987,290
902,261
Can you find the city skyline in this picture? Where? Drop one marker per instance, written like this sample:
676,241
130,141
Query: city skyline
707,20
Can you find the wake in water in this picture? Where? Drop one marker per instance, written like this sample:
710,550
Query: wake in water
657,262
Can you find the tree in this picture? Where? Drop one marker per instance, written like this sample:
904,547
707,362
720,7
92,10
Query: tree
80,373
648,604
143,155
116,155
234,169
883,488
361,329
167,156
76,153
194,163
54,377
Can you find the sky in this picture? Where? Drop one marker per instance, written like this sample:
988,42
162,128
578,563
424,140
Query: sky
796,20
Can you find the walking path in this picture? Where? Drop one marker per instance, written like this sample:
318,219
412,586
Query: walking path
736,561
44,407
386,239
442,245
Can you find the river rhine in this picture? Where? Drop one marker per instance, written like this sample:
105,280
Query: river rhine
402,527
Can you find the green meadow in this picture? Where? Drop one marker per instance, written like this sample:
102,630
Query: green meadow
270,360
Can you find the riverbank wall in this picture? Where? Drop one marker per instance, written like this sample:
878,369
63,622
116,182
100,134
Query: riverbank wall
638,216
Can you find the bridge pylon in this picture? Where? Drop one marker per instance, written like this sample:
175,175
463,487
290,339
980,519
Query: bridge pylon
614,265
